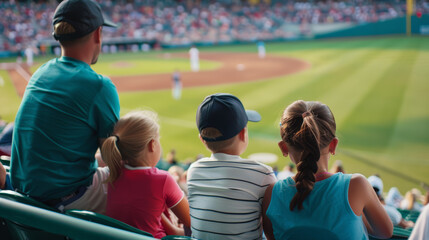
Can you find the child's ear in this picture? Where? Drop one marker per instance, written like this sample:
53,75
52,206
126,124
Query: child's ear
202,140
242,134
283,148
151,145
333,146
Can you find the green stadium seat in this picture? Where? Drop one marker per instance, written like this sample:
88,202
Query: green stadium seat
174,237
412,216
20,231
404,212
105,220
5,160
398,233
4,231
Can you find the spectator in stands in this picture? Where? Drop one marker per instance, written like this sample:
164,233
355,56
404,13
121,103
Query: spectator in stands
421,228
394,215
66,113
410,201
426,199
171,157
288,171
178,173
138,192
226,191
316,197
337,167
394,197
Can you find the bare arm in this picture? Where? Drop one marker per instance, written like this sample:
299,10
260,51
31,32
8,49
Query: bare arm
2,176
170,228
363,200
98,157
181,210
266,223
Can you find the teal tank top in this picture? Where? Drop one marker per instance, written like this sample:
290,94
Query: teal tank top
326,207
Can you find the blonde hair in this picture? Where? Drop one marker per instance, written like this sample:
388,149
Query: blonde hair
214,133
63,28
130,136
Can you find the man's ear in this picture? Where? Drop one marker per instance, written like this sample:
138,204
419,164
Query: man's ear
97,35
333,145
283,148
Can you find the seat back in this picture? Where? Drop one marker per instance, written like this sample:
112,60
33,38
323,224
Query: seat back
20,231
174,237
310,232
4,159
105,220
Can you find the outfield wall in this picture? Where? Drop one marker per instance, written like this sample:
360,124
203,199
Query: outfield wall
419,26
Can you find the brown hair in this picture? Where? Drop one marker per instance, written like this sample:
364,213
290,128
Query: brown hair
214,133
66,28
130,136
307,127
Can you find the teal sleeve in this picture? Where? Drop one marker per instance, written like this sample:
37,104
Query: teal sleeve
106,108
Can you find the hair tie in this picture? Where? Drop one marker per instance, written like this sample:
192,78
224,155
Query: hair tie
117,138
306,114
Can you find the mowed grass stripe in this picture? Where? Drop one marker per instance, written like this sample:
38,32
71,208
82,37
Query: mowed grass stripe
348,94
372,123
412,128
316,79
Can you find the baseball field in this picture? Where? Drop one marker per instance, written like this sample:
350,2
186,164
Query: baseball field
377,88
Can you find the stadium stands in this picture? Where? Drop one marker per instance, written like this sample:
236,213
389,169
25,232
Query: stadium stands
173,22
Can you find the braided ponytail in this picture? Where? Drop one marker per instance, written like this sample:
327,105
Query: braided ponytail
307,127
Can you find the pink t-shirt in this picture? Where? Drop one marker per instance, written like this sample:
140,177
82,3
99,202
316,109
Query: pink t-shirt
140,195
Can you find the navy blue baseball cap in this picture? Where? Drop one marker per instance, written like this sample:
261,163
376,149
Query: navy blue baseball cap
84,15
226,113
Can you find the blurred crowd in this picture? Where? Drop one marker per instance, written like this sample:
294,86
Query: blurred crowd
175,22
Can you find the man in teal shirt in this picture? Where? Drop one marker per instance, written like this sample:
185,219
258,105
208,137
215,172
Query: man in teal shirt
66,112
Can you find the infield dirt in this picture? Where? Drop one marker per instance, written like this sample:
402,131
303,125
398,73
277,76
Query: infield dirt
236,67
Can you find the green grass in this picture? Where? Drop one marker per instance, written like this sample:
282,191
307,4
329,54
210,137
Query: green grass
377,89
9,99
132,64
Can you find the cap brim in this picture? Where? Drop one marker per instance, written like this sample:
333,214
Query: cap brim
253,116
109,23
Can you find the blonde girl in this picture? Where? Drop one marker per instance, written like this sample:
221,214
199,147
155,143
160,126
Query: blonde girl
315,198
138,192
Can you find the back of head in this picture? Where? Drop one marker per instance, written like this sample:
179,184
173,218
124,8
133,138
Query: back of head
377,185
131,135
220,117
75,19
307,127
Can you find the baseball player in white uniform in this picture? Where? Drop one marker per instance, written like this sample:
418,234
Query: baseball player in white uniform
194,58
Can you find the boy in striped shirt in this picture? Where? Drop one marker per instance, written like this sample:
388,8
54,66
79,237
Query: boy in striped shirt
226,191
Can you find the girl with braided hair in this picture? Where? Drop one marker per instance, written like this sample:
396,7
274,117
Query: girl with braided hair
344,205
138,192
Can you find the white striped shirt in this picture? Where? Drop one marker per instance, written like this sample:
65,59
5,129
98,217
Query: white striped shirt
225,197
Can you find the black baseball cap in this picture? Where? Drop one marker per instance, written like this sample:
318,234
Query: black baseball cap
226,113
84,15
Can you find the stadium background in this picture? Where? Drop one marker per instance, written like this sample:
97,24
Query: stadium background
376,86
